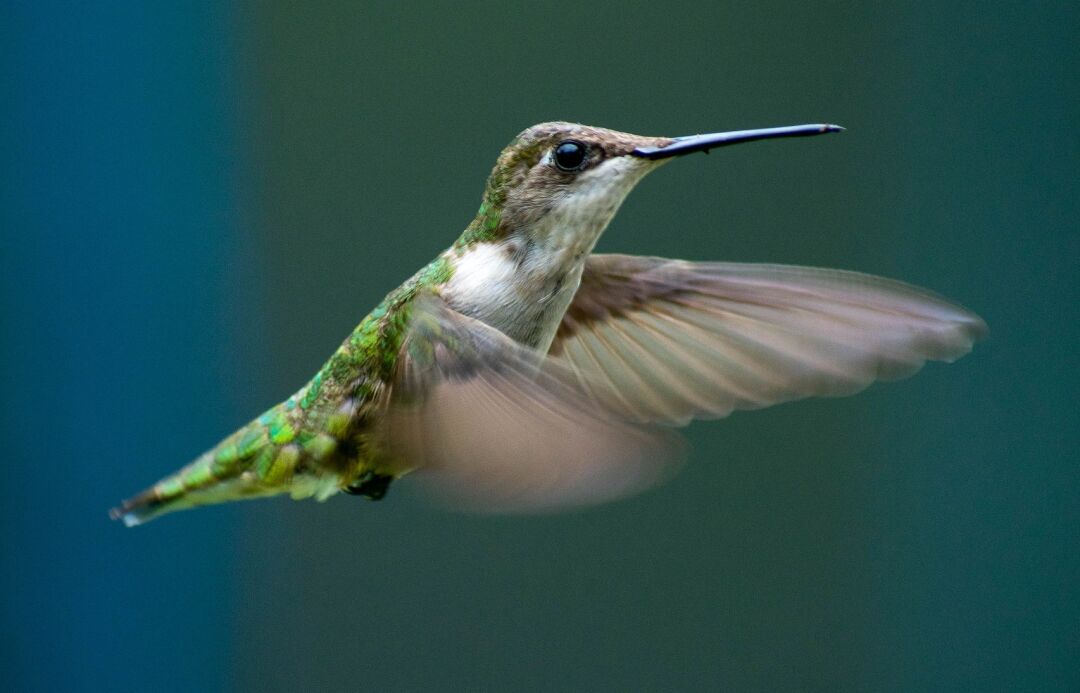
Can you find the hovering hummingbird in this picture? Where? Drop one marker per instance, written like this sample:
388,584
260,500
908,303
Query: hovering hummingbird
521,372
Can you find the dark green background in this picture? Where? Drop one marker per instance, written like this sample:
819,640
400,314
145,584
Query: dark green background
199,204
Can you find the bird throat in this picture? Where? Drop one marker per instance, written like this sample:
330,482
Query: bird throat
519,288
522,283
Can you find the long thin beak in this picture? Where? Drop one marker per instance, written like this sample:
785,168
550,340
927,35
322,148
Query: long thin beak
703,143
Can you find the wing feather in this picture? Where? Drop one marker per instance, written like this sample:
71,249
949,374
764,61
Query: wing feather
667,340
489,425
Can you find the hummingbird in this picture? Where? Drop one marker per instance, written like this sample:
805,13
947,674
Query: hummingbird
521,372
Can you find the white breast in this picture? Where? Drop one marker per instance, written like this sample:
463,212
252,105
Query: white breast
522,285
522,294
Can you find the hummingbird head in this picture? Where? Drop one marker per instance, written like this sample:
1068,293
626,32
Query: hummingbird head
550,196
560,184
557,185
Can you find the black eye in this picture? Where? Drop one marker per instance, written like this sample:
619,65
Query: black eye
570,155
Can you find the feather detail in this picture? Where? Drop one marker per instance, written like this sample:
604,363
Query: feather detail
492,426
668,341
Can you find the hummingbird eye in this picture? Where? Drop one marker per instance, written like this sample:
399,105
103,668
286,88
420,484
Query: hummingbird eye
570,155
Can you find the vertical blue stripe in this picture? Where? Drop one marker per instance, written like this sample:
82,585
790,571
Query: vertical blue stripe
117,210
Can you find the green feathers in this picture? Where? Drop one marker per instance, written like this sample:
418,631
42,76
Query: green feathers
311,444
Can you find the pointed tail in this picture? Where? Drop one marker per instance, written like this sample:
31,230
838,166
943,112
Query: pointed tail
164,496
200,483
247,464
203,482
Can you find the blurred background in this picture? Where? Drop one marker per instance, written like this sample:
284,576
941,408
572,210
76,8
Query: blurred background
198,202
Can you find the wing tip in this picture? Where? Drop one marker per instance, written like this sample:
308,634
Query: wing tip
977,328
969,329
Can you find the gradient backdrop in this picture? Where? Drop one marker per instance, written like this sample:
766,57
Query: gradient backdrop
197,204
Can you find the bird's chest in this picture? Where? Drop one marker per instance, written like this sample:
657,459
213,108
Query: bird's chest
520,293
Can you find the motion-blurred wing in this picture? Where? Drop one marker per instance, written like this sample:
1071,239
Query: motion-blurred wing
675,340
489,425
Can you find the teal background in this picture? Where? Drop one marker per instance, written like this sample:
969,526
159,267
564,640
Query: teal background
198,203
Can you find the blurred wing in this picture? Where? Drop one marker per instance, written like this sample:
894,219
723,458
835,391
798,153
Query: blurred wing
489,425
674,340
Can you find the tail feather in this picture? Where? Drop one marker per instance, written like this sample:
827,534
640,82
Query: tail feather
199,483
228,472
264,458
192,486
159,500
139,508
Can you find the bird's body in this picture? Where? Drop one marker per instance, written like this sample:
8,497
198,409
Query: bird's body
520,371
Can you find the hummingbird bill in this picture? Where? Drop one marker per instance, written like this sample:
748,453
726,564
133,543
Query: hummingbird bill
521,372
